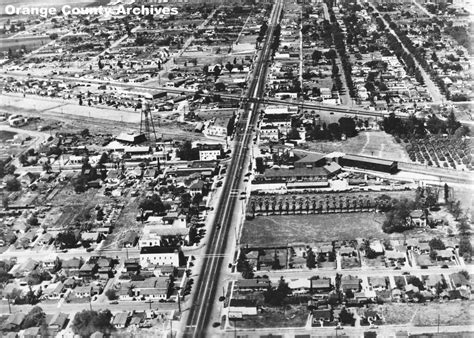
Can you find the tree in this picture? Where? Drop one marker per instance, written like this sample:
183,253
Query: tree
111,294
53,36
277,297
187,153
4,276
244,266
446,193
33,221
310,259
316,56
79,183
66,239
396,217
47,167
193,235
348,126
100,215
217,71
229,66
87,322
437,244
36,317
345,317
293,134
152,203
12,184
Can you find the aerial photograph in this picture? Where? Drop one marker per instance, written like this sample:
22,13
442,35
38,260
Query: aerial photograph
236,168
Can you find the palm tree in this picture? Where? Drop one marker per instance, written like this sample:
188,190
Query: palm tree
280,206
266,205
273,205
307,205
313,201
287,206
260,204
300,205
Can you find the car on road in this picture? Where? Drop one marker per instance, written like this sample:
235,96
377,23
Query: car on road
114,302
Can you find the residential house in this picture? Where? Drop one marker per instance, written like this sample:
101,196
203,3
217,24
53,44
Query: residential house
120,320
417,218
88,270
14,321
459,281
350,283
53,291
57,321
72,265
322,314
82,291
320,285
299,286
378,283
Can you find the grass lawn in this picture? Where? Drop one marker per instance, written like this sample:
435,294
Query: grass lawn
280,230
294,316
370,143
6,135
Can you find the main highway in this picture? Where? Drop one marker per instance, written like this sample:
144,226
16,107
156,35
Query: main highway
205,291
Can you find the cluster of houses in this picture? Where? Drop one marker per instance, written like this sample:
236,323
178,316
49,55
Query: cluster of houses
379,79
325,295
70,279
356,254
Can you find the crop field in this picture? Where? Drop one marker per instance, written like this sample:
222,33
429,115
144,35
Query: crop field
280,230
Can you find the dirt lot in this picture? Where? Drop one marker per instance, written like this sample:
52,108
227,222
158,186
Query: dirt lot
280,230
373,143
450,313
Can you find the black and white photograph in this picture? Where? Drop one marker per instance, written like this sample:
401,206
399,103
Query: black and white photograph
236,168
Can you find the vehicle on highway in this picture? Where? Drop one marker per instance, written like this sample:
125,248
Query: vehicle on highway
114,302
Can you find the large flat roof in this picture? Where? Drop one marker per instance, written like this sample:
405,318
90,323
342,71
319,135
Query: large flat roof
369,159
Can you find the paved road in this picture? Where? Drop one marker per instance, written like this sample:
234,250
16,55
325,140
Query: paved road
204,298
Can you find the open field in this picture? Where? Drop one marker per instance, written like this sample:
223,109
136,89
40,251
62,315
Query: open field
450,313
29,43
371,143
6,135
280,230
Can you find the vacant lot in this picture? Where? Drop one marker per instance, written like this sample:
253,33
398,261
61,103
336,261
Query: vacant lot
370,143
451,313
280,230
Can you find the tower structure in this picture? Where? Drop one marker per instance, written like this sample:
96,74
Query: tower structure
147,127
